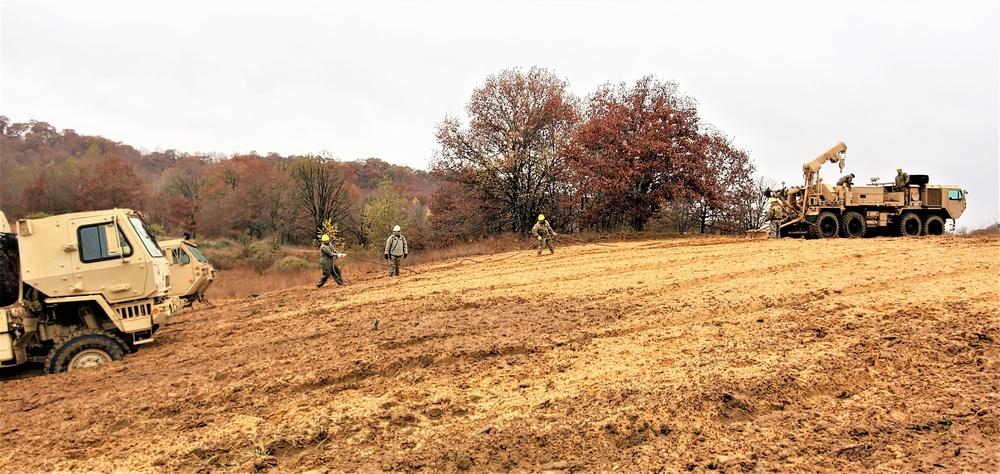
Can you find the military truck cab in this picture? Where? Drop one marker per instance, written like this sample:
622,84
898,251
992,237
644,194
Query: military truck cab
90,287
190,272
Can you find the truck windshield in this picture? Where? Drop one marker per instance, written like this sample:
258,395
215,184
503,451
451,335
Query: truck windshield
197,253
145,237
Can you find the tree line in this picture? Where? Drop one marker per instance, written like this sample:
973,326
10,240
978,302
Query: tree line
628,157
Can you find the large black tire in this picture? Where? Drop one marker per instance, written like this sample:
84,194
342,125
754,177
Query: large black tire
852,225
934,225
826,226
909,225
85,348
9,277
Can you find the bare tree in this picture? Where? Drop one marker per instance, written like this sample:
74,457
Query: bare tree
320,192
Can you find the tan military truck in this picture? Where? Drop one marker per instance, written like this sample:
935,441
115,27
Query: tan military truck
80,290
190,272
819,210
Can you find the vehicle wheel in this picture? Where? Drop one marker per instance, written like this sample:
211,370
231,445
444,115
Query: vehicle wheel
825,227
934,225
85,348
852,225
909,225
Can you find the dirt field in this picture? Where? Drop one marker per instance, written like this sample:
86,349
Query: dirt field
682,355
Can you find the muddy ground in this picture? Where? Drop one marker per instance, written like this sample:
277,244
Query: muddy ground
705,354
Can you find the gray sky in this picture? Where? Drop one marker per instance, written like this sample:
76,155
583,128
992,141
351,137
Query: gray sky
903,83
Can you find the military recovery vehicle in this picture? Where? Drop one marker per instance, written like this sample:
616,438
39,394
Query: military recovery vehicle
819,210
190,272
80,290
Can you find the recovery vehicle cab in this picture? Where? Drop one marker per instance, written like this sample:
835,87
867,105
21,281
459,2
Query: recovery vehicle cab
80,290
190,272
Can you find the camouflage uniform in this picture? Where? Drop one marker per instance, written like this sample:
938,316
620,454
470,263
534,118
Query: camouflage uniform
847,180
902,181
326,256
395,248
774,216
902,184
544,231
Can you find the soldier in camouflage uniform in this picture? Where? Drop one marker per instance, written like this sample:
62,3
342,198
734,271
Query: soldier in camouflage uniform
544,231
902,180
327,253
902,184
774,216
847,180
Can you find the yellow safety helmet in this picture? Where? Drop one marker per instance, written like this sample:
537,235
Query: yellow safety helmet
774,199
325,238
541,217
899,168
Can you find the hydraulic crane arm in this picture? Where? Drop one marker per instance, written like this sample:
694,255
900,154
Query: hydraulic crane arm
835,154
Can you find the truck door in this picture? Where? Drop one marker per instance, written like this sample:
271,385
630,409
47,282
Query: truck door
108,262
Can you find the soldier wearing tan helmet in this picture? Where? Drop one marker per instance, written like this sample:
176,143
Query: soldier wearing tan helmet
395,248
847,180
902,184
544,232
902,180
774,216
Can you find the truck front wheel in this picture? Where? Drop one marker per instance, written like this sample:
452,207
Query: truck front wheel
85,348
934,225
909,225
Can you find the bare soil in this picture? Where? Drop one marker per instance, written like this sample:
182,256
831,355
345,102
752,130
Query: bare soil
707,354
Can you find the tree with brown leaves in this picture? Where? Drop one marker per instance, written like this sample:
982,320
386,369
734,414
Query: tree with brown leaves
508,157
642,146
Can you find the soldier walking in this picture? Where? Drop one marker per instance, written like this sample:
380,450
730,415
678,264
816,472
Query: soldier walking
327,253
395,247
544,231
774,217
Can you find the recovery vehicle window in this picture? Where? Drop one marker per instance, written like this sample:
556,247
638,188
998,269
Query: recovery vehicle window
145,237
180,258
197,253
97,242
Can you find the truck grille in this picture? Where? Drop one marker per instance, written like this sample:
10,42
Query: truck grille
135,311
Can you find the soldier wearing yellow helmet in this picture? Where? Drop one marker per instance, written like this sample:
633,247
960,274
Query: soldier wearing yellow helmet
327,253
544,231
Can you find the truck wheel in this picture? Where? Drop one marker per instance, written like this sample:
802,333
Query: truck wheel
85,348
852,225
934,225
825,227
909,225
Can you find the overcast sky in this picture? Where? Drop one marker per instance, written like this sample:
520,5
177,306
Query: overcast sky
902,83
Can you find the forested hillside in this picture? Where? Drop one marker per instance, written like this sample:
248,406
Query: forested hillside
628,157
45,170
